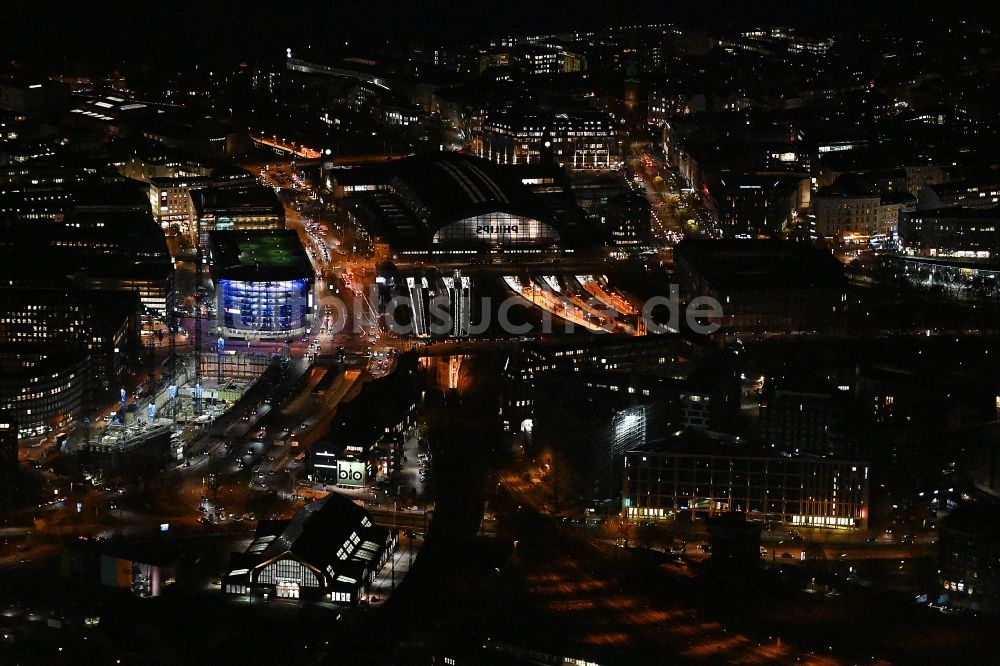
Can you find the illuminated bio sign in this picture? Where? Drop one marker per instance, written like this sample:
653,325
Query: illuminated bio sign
351,473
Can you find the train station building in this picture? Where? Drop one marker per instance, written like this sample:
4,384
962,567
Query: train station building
331,550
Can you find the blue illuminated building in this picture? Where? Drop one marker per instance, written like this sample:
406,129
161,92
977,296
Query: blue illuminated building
269,309
264,285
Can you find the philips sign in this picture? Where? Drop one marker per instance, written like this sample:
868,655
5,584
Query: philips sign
499,229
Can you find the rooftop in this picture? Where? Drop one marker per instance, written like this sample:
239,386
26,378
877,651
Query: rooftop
427,192
746,265
239,199
333,535
704,443
452,186
254,255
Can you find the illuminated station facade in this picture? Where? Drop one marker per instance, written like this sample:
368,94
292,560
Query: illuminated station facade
331,551
451,205
265,285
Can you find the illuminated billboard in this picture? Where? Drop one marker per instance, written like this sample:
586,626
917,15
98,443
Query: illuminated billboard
497,230
351,473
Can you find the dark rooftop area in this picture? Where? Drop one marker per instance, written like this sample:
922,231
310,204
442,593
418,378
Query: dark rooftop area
744,265
237,199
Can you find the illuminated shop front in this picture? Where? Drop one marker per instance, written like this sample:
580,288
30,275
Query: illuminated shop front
264,310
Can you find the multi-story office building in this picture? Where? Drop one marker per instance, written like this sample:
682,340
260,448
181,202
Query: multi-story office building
367,433
40,390
584,140
34,194
172,203
755,206
94,250
891,209
85,231
575,139
663,104
703,152
690,472
459,59
661,355
399,115
25,202
978,193
152,283
617,392
625,220
951,232
969,553
858,213
537,59
103,324
778,40
606,424
806,415
237,209
160,162
27,96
